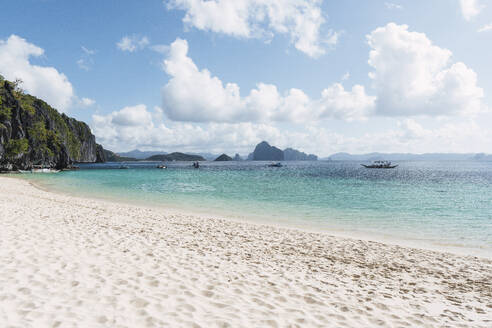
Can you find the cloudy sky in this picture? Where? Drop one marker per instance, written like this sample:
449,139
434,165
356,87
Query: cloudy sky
322,76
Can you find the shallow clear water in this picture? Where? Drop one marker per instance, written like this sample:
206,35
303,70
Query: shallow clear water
446,204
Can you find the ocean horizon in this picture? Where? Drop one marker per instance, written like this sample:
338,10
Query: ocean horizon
443,205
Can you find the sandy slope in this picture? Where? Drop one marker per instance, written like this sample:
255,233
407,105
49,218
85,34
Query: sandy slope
73,262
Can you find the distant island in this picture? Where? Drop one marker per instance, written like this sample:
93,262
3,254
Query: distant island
223,158
32,133
175,157
264,152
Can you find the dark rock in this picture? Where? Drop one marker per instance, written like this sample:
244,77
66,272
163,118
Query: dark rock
264,152
109,156
295,155
223,158
34,133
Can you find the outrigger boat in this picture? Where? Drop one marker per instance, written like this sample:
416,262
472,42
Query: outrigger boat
278,164
40,170
161,166
380,165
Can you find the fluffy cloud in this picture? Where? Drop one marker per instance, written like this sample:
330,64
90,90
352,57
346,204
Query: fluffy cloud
485,28
470,8
300,19
133,43
43,82
136,127
410,76
132,116
196,95
414,77
87,102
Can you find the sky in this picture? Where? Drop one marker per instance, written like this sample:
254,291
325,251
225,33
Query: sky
322,76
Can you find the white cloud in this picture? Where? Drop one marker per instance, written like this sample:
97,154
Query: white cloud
485,28
87,102
88,51
132,43
300,19
136,127
160,48
132,116
470,8
140,131
414,77
196,95
391,5
43,82
86,61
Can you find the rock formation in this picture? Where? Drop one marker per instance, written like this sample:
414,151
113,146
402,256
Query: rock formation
34,133
264,152
223,158
295,155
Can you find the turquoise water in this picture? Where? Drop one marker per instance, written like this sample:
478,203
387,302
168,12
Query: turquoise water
442,204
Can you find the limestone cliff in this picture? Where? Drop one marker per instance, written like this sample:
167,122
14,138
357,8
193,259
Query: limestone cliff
34,133
264,152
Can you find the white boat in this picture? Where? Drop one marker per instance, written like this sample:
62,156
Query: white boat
39,171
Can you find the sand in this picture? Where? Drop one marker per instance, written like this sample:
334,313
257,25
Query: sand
75,262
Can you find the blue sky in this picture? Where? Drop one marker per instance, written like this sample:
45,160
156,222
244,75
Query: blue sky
224,75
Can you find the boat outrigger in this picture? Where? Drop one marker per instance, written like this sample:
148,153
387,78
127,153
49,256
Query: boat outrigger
380,165
39,169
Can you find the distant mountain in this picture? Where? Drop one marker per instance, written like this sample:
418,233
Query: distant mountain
403,157
264,152
138,154
223,158
175,157
482,157
206,156
295,155
237,158
113,157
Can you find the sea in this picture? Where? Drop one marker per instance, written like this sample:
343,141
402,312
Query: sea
444,205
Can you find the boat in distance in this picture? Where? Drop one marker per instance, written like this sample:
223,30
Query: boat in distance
380,165
278,164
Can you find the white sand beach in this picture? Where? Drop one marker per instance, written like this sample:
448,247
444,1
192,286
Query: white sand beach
73,262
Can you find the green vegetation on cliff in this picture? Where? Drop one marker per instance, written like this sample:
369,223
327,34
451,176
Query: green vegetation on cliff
112,157
34,133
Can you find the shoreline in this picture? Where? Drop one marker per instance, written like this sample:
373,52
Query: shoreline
421,244
72,261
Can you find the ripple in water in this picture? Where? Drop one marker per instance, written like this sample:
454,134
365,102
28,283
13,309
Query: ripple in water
439,203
